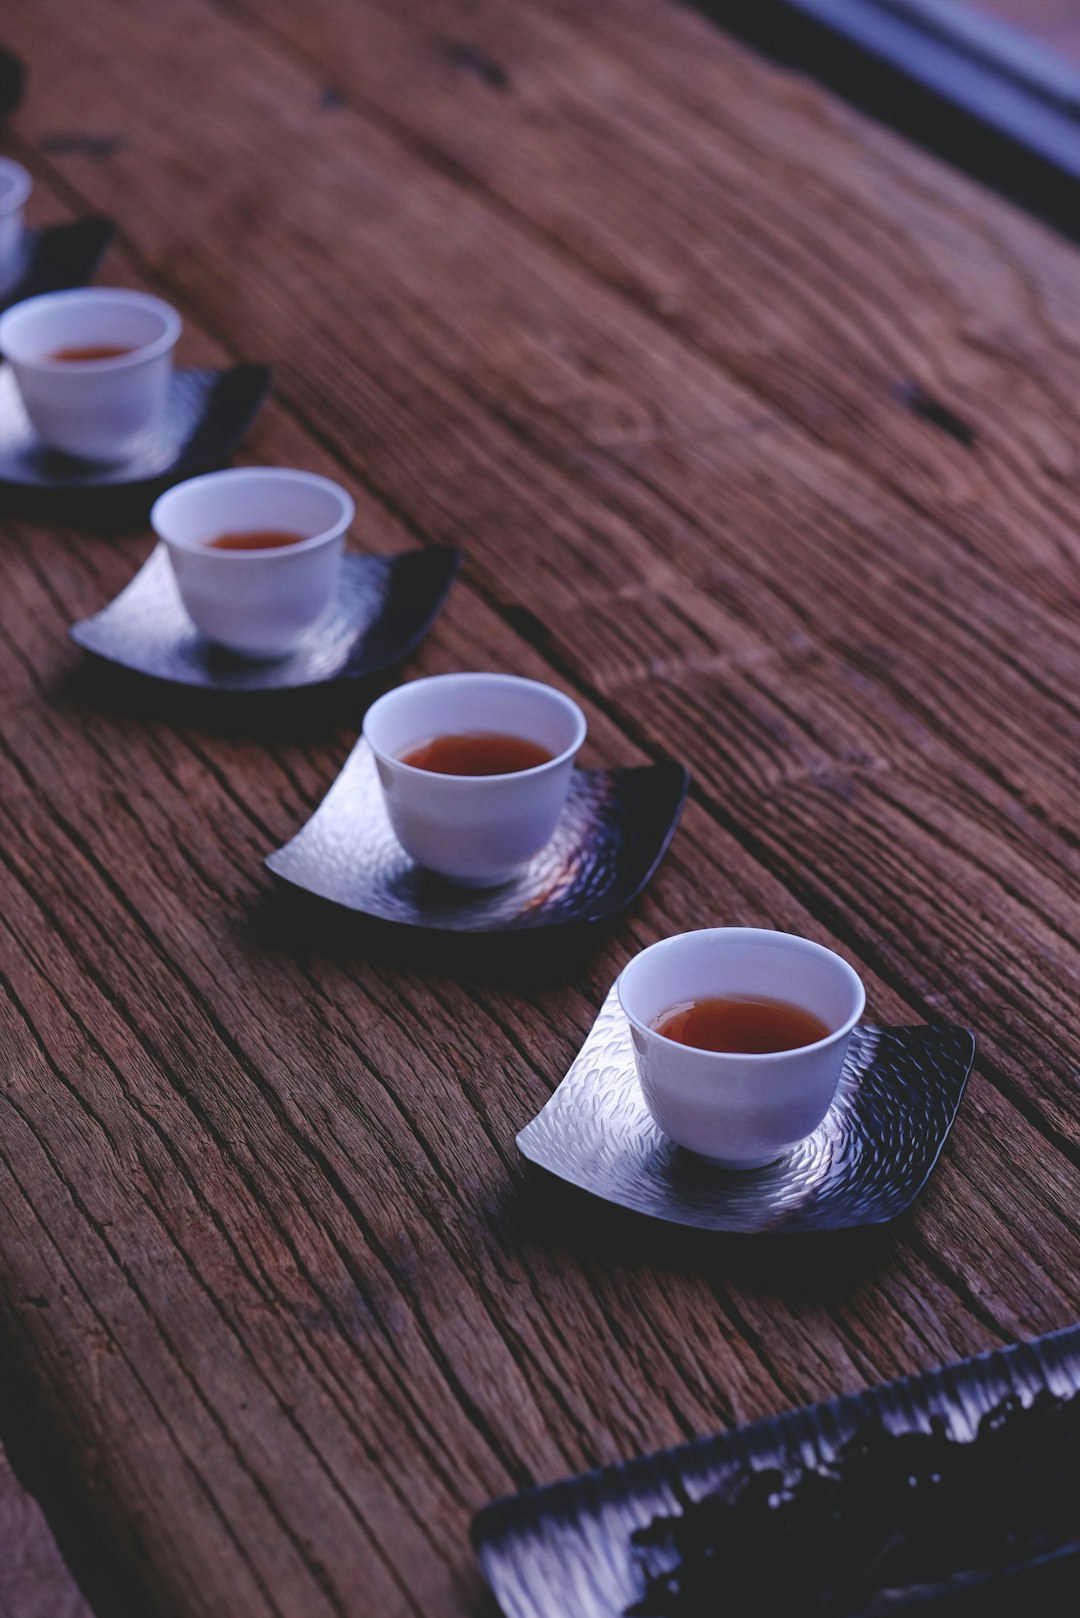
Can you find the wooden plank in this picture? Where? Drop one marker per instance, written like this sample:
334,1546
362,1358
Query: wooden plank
118,757
175,1167
680,436
808,1347
265,1178
741,260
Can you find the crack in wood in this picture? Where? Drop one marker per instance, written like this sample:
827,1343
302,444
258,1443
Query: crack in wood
98,147
472,60
932,410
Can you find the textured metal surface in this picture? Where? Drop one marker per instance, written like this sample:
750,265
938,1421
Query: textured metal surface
865,1163
383,608
612,835
207,414
566,1550
60,257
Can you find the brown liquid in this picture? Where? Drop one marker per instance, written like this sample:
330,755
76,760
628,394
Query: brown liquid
479,753
91,351
749,1025
255,539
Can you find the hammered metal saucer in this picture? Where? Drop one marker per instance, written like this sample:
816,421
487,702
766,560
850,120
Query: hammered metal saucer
59,257
207,414
865,1163
614,832
384,607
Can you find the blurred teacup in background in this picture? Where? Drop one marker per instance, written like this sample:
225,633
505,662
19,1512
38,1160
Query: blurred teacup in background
15,186
256,553
92,366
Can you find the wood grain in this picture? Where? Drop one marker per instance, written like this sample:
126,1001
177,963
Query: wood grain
426,444
544,283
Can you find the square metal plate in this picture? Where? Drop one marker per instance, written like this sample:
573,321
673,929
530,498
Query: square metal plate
207,414
864,1164
613,833
384,607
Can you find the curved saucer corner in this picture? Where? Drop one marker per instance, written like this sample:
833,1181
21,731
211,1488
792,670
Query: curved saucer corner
58,257
661,798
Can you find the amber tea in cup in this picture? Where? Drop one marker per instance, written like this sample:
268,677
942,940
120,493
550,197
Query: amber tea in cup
478,753
82,352
255,539
746,1025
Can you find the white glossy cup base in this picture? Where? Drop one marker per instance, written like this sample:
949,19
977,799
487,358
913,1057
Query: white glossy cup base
15,187
737,1165
497,879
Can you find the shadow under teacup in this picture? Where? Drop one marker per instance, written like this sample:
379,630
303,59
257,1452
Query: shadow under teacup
478,830
258,599
15,186
92,366
741,1110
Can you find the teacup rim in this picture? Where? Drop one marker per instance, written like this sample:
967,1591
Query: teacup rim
131,296
474,782
255,474
20,189
756,1057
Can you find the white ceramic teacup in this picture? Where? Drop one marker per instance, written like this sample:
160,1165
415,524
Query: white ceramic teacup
256,602
15,186
97,409
740,1111
478,830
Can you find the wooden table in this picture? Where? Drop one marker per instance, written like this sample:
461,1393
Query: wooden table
760,431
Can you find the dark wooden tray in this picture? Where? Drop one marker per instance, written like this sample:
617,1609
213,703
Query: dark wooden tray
570,1549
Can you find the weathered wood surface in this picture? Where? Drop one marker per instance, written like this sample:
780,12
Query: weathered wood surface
636,320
